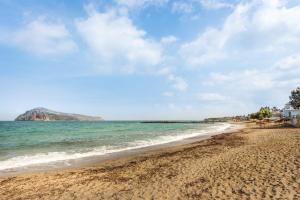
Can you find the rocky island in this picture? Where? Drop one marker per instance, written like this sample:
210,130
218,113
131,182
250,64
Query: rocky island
43,114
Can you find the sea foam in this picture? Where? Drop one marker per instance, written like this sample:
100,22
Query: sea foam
52,158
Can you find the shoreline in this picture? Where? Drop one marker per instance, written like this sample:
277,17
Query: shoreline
99,159
154,149
248,163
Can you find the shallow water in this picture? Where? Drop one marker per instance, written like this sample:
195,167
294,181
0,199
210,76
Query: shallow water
24,144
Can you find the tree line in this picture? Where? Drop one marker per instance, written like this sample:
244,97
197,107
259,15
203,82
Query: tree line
266,112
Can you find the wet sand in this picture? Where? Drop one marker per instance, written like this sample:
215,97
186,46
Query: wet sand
251,163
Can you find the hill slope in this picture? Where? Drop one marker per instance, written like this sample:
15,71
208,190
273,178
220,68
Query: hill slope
43,114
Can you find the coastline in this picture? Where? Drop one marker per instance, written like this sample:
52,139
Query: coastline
153,149
127,153
247,163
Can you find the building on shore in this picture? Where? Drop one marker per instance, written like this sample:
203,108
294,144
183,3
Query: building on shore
289,112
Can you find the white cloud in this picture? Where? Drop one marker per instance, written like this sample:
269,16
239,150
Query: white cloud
218,77
42,37
140,3
250,80
164,71
168,39
257,48
253,28
178,82
215,4
182,7
211,97
168,94
267,85
291,62
205,49
251,89
209,46
117,42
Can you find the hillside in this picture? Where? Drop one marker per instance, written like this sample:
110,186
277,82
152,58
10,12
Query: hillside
43,114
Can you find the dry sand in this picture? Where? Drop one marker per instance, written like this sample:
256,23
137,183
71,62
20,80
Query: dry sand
251,163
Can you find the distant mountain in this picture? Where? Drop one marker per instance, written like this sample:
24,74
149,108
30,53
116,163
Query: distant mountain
43,114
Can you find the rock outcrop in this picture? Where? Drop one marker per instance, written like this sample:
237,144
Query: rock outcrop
43,114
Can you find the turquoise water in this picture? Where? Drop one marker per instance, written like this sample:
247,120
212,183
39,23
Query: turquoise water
24,144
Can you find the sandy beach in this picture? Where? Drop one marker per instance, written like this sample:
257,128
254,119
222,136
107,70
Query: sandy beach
250,163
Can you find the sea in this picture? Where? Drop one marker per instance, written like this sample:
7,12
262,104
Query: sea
32,145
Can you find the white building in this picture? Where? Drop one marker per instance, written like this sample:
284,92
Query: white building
289,112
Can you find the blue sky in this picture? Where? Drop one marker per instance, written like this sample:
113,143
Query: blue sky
148,59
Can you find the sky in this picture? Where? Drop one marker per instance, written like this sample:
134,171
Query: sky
148,59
